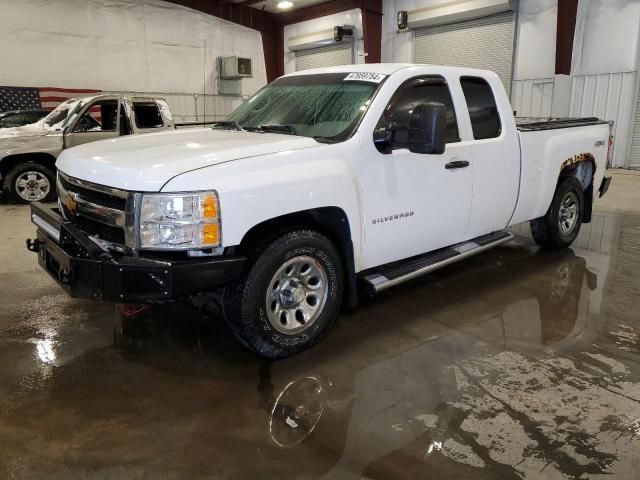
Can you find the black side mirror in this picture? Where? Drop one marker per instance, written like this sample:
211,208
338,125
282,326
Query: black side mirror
428,128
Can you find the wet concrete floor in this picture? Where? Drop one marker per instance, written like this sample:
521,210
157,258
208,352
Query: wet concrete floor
513,364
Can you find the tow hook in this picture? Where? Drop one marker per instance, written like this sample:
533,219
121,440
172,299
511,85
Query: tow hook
33,245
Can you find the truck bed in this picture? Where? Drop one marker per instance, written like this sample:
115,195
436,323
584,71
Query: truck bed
546,146
530,124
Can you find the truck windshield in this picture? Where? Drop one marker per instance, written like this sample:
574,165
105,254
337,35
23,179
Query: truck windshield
323,106
60,116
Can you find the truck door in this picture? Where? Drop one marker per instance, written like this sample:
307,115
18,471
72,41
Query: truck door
496,155
99,120
415,203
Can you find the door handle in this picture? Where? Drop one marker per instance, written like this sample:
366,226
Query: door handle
456,164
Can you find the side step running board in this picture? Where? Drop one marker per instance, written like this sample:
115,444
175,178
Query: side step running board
392,274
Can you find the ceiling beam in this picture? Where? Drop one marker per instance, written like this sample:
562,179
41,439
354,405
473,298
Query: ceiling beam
257,19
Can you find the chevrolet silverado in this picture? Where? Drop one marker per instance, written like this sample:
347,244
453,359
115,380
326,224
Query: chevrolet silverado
324,183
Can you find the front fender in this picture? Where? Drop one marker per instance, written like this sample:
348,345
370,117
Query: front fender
258,189
20,145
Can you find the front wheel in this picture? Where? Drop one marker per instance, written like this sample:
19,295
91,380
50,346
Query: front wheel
30,182
560,226
289,297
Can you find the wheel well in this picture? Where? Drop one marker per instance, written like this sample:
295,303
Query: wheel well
11,161
583,167
330,221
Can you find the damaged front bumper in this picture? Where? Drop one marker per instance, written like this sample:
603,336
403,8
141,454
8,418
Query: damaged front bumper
84,270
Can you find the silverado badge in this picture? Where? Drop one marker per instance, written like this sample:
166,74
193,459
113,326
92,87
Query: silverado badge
390,218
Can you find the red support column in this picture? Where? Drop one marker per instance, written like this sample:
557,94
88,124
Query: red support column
566,26
372,26
273,46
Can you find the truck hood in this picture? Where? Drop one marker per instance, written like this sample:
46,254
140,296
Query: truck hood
146,162
33,130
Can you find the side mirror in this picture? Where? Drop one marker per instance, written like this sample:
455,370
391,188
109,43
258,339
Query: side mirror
427,128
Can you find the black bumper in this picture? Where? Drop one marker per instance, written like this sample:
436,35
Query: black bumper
84,270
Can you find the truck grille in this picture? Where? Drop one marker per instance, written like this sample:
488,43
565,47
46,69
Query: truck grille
96,210
100,230
94,196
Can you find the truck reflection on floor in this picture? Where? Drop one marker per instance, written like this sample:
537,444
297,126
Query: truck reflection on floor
390,407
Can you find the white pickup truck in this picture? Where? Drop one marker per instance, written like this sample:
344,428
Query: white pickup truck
325,182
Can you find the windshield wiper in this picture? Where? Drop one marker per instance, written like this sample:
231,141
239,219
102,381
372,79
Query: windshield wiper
280,129
228,124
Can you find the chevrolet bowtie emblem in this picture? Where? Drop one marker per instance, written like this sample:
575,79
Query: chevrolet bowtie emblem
71,203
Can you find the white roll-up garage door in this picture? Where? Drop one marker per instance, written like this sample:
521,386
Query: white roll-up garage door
480,43
634,154
338,54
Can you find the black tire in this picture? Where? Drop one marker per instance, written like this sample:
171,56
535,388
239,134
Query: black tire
245,305
549,231
10,188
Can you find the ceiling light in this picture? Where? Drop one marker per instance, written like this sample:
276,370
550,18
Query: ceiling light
284,5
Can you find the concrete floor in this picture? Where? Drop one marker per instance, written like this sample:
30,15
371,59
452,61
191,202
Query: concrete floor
514,364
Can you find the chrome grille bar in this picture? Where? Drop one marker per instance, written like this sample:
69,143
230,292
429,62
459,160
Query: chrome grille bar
75,204
94,186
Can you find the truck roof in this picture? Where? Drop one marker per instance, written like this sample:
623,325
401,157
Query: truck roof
390,68
91,98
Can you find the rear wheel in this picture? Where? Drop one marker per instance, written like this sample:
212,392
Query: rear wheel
560,226
289,297
30,182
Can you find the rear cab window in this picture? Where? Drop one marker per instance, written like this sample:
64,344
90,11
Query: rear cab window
483,111
147,115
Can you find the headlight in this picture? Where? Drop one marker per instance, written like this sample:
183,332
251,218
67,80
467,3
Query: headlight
179,221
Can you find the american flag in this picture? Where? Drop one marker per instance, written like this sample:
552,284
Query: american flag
27,98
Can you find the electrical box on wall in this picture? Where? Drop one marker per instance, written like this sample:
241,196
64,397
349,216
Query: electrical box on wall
234,68
231,70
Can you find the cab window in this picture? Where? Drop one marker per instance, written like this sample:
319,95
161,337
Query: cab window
101,116
147,115
483,111
413,93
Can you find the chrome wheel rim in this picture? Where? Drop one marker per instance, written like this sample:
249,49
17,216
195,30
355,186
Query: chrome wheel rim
568,213
32,186
296,295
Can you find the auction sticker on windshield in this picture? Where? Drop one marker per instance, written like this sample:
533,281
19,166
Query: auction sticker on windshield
365,77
